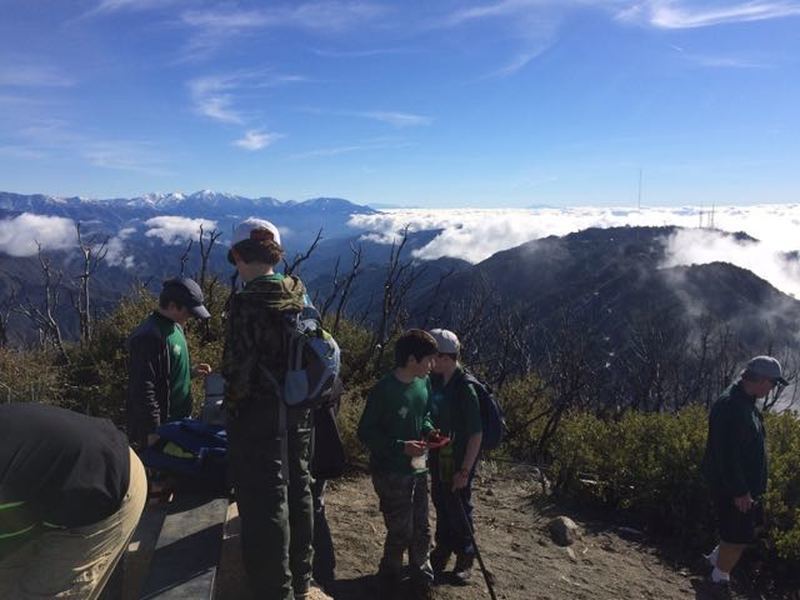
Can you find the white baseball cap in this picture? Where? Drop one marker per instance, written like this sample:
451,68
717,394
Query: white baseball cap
254,229
446,341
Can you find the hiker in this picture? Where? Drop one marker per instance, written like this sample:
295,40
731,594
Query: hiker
394,426
735,463
159,368
276,514
455,411
328,462
71,494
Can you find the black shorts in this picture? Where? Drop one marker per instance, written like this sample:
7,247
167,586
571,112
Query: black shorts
736,527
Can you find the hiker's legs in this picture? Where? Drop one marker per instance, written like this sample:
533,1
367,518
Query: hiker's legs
324,565
301,511
729,555
254,458
443,535
419,550
77,562
462,532
395,493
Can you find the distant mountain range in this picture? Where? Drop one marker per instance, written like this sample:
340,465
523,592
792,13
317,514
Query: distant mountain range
609,280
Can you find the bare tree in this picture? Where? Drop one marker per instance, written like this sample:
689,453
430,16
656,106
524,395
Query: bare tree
43,315
7,306
341,287
400,277
206,246
299,259
93,250
185,257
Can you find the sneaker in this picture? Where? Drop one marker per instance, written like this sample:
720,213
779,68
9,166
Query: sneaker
463,569
439,559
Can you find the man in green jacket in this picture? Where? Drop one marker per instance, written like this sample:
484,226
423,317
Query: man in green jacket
735,462
394,426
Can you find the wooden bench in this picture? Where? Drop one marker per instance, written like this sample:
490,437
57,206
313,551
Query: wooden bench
174,553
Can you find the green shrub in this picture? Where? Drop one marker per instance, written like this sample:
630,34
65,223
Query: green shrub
783,495
648,465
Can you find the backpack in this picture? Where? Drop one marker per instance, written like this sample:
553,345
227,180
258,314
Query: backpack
492,415
193,451
312,377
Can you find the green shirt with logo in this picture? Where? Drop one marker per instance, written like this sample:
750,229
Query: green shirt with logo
180,371
395,412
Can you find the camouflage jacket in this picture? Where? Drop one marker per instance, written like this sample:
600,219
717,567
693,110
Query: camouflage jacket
255,358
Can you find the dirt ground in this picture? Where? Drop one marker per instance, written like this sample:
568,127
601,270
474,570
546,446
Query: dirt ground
513,539
514,542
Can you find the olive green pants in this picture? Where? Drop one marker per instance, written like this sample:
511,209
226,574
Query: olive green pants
276,516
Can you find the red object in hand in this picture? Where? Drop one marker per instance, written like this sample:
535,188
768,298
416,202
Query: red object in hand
437,440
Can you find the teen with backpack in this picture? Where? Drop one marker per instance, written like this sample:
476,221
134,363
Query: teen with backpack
267,396
456,412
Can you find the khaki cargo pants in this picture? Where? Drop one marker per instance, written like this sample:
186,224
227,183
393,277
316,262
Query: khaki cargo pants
77,562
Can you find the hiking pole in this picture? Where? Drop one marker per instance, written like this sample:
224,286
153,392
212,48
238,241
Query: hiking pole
486,575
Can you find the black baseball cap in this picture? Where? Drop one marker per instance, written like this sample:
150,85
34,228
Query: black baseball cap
186,292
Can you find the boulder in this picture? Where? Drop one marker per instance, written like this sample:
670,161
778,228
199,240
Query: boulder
564,531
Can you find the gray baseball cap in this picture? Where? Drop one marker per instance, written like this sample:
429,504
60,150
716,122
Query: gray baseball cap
766,366
446,341
185,291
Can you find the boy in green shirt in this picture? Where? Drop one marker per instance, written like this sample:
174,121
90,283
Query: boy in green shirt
394,426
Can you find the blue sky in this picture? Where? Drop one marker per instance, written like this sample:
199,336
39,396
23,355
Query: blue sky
511,103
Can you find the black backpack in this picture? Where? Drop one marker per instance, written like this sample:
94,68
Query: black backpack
493,418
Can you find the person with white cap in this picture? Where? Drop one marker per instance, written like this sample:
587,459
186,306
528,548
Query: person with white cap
159,367
268,440
735,463
455,411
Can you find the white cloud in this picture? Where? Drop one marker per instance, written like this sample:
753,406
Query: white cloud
22,74
211,97
255,139
175,230
397,119
115,255
19,235
475,234
702,246
669,14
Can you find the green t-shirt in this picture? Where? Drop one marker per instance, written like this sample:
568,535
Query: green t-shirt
270,277
180,372
395,413
456,411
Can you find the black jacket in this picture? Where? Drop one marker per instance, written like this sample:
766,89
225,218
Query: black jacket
148,380
735,461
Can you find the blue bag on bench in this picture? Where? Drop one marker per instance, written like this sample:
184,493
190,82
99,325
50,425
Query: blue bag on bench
193,451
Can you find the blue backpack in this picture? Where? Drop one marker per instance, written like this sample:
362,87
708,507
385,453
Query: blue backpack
193,451
492,415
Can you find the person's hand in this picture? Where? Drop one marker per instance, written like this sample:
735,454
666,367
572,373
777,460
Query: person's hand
460,479
414,448
201,370
744,503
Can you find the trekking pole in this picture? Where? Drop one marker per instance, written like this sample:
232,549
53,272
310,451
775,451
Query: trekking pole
486,575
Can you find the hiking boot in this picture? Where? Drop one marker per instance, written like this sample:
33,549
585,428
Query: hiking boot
422,588
439,559
463,569
718,590
387,585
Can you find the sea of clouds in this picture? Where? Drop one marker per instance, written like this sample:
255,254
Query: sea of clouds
475,234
